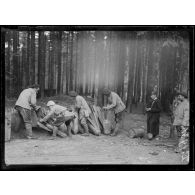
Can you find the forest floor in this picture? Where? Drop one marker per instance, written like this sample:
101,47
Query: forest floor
103,149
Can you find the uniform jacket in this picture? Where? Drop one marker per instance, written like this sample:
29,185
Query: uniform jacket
55,111
116,103
27,98
82,104
155,108
182,114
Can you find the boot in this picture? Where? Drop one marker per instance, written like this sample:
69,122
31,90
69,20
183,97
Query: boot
54,132
115,131
69,131
86,129
28,128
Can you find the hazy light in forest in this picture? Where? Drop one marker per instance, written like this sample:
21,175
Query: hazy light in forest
21,46
46,33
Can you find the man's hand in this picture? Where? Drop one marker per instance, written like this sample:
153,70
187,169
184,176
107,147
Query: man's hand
41,120
37,108
105,108
148,109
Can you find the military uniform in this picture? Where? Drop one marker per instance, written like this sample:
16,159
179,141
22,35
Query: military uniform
182,121
59,116
119,107
25,102
153,117
83,111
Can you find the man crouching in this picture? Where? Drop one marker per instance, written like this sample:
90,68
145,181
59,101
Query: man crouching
58,115
83,111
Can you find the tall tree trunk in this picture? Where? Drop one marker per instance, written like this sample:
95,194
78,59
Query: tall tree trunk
41,63
32,68
131,62
8,69
28,65
71,65
59,61
67,65
16,68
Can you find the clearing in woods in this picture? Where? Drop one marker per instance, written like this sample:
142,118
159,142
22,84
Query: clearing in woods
95,149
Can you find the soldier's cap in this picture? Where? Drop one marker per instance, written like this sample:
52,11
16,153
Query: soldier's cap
185,95
50,103
106,91
35,86
73,93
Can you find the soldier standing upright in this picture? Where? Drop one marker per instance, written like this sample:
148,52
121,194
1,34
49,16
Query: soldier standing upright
181,120
24,104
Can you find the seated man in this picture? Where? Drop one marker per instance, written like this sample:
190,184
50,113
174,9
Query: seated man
118,106
83,110
60,116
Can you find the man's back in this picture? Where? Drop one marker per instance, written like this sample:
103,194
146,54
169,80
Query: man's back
57,109
81,103
26,98
115,99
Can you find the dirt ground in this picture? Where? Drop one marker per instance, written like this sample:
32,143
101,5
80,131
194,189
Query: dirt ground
103,149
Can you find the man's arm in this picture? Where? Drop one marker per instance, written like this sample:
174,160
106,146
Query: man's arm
185,121
157,107
33,99
48,116
78,103
112,105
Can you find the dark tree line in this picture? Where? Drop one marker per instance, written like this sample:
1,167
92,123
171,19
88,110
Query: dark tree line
128,62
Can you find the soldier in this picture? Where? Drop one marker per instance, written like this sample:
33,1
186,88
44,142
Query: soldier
58,114
83,110
172,108
153,116
118,106
24,104
181,120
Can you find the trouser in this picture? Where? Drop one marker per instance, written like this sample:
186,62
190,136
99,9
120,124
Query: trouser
83,120
153,123
119,121
26,116
183,145
179,130
61,122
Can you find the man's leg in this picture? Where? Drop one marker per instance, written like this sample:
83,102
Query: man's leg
28,128
69,128
83,122
119,123
178,129
54,131
26,115
156,123
184,145
85,125
148,124
172,127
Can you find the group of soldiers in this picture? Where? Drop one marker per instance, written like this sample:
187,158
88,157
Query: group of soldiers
58,115
179,120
